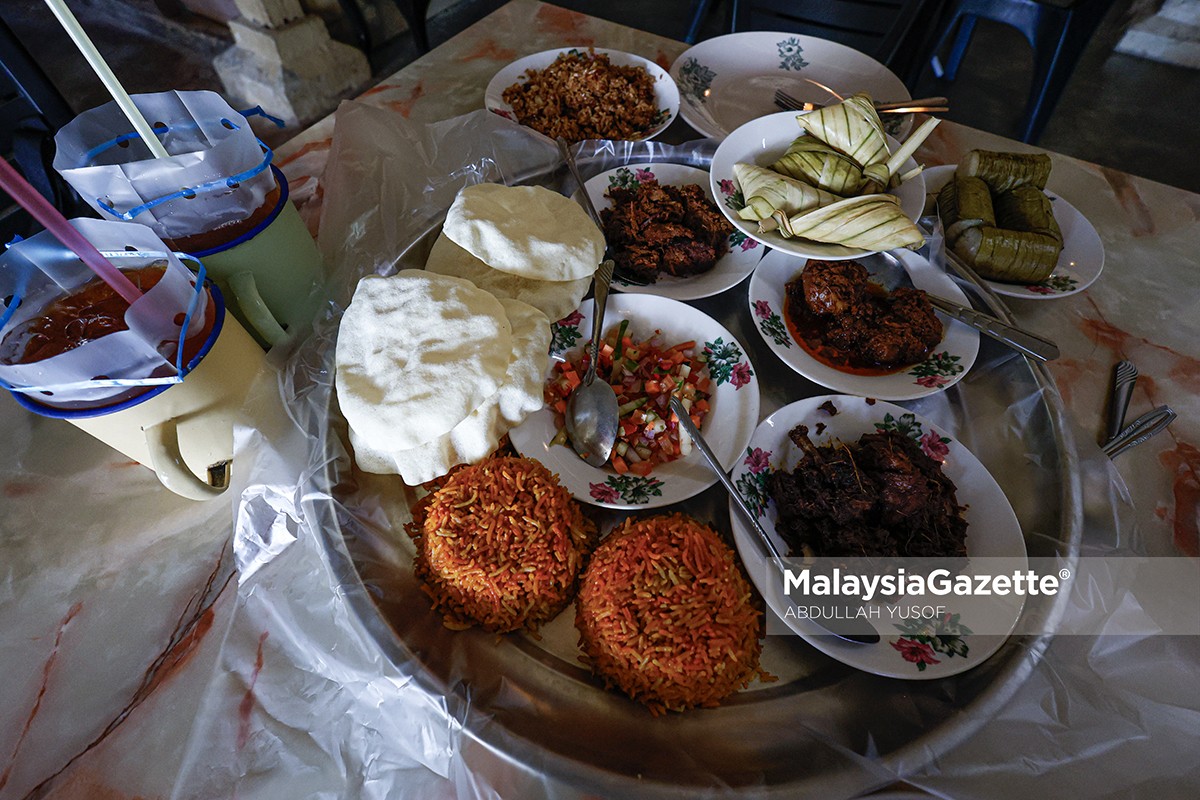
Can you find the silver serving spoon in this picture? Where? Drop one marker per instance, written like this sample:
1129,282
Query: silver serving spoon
888,272
592,411
857,631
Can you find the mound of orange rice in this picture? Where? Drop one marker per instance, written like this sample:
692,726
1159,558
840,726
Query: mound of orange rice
500,545
665,615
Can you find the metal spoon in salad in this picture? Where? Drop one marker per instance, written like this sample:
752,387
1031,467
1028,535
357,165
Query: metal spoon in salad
592,414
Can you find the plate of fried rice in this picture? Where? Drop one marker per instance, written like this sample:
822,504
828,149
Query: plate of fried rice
500,545
585,93
719,364
953,633
665,615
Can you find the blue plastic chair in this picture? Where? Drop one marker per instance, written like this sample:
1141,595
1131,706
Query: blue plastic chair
31,111
1057,30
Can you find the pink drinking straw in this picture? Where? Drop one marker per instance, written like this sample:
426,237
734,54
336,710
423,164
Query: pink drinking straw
41,210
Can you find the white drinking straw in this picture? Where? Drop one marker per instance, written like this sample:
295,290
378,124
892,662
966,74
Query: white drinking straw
97,62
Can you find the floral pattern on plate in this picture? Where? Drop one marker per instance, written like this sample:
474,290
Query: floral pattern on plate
933,444
944,367
791,54
565,333
694,79
734,402
752,485
771,324
928,637
632,490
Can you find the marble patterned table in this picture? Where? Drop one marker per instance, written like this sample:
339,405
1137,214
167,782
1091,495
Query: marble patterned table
144,660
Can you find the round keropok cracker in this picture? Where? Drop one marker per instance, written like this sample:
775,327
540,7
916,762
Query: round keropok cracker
525,230
555,299
478,435
416,353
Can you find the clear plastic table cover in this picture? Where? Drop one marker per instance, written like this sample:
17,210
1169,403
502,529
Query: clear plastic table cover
333,677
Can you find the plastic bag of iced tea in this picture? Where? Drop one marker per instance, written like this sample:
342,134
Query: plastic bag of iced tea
68,340
217,173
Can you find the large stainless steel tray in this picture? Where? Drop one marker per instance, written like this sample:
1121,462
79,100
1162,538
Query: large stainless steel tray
535,722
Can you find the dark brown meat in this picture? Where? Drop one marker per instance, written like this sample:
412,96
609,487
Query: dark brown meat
867,325
881,496
834,287
656,229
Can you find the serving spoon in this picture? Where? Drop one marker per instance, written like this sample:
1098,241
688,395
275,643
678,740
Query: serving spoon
592,415
852,630
887,271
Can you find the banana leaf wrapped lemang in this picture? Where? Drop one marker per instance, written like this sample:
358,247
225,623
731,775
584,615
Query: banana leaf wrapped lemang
964,203
852,127
869,222
767,192
1026,208
1009,256
1004,171
810,160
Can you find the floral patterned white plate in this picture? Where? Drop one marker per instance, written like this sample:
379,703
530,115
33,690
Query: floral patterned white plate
727,427
726,81
1079,264
763,141
731,269
666,95
916,648
944,367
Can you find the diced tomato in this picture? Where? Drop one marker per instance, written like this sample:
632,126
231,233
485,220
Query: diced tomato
619,464
642,468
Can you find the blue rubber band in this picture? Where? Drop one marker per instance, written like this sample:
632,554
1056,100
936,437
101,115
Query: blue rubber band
231,182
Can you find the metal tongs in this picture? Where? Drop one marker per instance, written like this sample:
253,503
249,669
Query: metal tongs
1119,439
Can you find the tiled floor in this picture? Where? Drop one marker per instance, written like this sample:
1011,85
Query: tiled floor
1117,110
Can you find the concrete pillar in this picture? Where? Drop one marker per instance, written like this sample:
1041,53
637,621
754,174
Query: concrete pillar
1171,36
